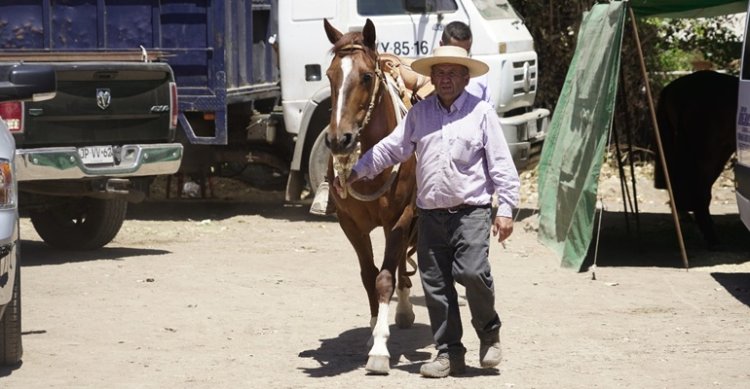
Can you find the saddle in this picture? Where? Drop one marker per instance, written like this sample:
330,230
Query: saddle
412,86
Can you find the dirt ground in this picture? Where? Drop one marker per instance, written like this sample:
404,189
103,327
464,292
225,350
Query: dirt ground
245,291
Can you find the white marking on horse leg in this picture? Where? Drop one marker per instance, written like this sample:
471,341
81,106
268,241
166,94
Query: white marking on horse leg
346,68
373,321
404,308
381,333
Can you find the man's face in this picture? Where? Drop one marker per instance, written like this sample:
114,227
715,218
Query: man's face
449,80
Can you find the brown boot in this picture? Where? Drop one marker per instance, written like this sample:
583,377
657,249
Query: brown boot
445,364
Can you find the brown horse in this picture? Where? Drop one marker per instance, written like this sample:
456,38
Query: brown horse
363,113
697,116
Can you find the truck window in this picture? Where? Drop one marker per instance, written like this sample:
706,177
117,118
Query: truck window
495,9
396,7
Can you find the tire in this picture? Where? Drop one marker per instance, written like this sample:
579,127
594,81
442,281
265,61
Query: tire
83,224
11,346
317,166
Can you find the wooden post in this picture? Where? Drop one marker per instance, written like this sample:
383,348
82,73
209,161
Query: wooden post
658,140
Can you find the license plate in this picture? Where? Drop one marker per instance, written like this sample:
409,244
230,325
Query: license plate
96,154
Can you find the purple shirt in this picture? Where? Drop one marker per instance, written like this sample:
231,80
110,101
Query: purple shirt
462,156
478,87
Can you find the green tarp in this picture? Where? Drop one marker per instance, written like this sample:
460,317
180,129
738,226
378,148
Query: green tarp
574,148
573,151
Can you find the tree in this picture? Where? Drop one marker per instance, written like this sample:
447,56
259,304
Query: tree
667,45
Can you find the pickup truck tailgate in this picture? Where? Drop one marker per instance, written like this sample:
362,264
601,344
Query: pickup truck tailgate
98,104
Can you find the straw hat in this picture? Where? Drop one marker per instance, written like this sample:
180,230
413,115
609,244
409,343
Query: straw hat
453,55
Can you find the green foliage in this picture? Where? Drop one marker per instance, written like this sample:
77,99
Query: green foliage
668,45
710,39
675,59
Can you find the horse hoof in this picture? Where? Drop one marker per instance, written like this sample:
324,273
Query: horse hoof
404,320
377,364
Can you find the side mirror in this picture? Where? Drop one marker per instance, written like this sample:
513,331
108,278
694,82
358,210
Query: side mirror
27,82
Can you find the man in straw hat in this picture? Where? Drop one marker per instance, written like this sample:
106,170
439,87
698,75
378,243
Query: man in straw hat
458,33
462,160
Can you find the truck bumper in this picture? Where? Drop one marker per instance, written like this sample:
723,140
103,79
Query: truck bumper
526,154
742,190
65,163
525,135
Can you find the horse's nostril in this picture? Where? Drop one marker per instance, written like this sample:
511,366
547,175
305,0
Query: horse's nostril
327,141
348,139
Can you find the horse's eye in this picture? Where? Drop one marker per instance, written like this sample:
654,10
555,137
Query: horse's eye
367,77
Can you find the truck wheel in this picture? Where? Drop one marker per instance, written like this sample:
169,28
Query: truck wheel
11,348
84,224
317,166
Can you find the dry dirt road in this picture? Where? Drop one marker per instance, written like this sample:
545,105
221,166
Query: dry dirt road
258,294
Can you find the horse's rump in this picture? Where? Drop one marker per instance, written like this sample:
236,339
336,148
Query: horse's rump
696,115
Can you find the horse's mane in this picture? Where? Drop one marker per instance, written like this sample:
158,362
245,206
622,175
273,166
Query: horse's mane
353,38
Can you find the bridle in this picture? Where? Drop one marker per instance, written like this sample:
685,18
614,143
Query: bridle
343,164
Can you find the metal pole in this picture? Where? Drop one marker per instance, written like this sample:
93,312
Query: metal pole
658,139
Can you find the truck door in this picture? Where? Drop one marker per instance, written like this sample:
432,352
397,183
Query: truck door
742,167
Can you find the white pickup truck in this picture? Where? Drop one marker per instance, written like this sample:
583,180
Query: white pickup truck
17,82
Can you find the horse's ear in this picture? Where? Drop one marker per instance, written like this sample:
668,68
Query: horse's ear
333,34
368,33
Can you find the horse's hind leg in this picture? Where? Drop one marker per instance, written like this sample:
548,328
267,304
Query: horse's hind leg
404,309
707,228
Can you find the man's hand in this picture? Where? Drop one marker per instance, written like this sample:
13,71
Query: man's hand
502,227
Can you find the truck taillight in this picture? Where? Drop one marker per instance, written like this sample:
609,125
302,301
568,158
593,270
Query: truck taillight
7,195
12,113
173,105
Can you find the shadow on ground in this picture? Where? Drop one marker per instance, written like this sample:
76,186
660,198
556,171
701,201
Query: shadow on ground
348,351
737,284
200,209
652,241
36,253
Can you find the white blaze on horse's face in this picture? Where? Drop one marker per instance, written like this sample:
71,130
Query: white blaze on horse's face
346,69
351,76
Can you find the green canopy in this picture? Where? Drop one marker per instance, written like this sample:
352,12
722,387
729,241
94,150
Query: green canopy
577,137
687,8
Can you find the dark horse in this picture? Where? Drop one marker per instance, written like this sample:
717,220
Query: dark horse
364,112
696,115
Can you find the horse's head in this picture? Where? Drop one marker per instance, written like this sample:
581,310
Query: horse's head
354,79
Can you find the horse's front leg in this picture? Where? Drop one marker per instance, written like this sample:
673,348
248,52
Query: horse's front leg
395,253
379,357
362,244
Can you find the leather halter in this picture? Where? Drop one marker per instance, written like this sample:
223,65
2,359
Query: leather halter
376,87
343,164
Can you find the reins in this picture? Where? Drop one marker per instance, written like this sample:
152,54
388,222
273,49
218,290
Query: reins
343,165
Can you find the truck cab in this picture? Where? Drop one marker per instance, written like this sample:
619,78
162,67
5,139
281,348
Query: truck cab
409,29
